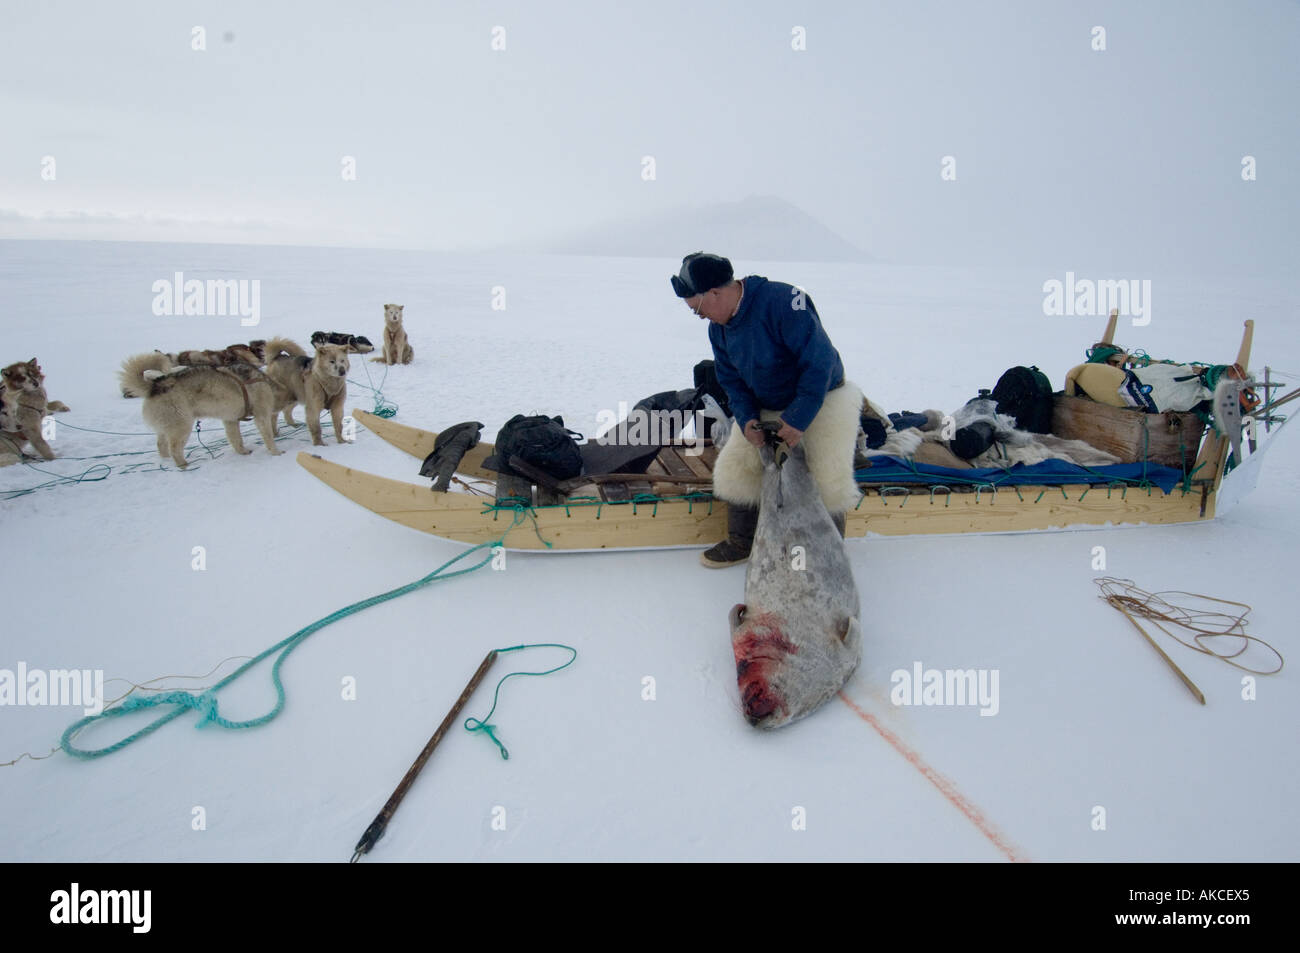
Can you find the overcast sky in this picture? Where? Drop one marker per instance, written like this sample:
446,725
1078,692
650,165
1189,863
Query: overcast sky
1129,157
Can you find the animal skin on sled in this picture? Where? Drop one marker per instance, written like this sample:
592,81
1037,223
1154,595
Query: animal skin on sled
1010,446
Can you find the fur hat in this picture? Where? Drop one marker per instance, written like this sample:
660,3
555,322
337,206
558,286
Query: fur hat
701,272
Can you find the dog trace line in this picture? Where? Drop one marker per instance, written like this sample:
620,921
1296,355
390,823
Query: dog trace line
85,476
383,406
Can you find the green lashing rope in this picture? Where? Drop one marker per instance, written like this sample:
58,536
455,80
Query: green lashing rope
205,703
522,508
519,504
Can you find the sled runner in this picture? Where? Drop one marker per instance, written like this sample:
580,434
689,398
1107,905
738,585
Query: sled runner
671,505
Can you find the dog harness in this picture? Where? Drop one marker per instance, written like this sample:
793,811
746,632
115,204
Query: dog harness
248,403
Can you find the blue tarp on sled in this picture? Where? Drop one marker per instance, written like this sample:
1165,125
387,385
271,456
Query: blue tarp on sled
896,471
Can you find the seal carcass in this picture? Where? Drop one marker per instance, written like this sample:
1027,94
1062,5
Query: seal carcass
797,637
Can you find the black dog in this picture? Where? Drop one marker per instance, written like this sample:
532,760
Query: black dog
353,342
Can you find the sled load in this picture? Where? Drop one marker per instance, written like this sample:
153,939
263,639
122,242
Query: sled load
1126,440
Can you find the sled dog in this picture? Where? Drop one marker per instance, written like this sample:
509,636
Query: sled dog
253,353
23,406
173,400
397,349
318,383
355,343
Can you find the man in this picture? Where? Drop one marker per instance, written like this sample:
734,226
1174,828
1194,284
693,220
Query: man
775,362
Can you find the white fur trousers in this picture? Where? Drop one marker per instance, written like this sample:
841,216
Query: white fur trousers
828,443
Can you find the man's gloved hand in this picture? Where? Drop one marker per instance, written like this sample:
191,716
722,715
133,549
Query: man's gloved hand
753,434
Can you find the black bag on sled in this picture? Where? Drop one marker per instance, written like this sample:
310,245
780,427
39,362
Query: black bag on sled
541,441
706,382
452,444
1026,394
674,409
970,441
634,442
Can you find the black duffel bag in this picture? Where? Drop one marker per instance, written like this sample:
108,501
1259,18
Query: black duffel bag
1026,394
540,441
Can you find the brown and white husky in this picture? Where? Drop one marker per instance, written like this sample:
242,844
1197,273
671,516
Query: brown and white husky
174,399
397,349
318,383
23,407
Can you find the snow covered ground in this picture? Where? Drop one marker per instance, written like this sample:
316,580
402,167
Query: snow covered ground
99,575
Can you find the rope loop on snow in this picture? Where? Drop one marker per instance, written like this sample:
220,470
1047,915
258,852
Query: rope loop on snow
476,724
1203,624
205,703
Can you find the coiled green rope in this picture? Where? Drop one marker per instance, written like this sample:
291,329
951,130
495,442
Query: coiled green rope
206,702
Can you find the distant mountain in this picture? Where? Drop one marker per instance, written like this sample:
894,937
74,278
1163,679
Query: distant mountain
757,228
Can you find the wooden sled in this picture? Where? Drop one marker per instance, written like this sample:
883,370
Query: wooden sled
672,506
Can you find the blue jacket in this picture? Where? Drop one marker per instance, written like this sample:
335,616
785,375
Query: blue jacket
774,355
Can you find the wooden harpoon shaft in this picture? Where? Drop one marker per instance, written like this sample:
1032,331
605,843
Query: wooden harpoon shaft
378,825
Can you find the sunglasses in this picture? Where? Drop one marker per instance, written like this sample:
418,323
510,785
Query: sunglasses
696,310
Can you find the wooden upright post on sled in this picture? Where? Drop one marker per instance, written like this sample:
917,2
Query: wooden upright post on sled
1214,449
1109,336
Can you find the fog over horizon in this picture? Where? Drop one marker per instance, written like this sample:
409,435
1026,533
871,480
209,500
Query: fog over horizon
553,126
